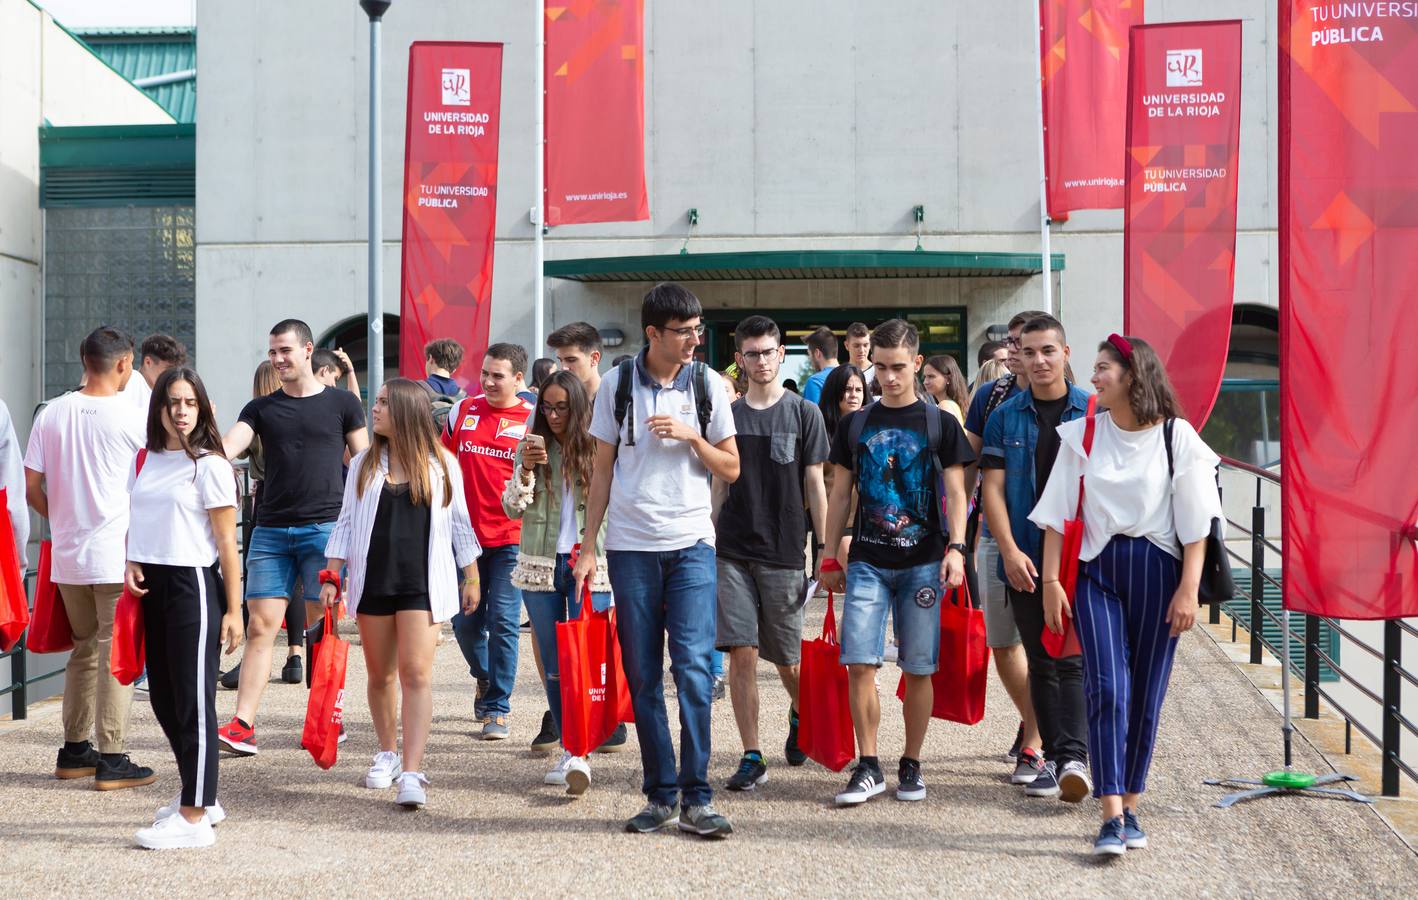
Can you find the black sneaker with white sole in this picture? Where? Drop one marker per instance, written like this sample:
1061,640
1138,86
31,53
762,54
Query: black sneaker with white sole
1028,767
866,782
1045,784
909,783
752,772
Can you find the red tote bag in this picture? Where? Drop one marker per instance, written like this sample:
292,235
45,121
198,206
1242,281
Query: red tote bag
1066,644
824,715
595,697
49,627
127,655
324,711
14,604
959,679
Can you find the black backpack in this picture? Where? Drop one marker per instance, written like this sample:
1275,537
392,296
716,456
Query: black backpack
625,383
443,406
934,432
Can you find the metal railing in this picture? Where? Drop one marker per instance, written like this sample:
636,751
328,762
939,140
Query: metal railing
1387,696
20,681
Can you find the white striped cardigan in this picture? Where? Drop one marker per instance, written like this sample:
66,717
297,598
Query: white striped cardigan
452,545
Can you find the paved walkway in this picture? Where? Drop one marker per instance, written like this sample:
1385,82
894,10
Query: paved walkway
493,828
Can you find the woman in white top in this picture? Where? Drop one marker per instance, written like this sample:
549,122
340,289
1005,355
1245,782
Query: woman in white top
182,515
1144,543
403,523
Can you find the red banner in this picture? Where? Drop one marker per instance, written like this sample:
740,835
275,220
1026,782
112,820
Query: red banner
450,199
595,111
1348,264
1179,239
1082,47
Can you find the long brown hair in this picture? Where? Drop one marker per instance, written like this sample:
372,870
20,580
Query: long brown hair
414,444
578,450
1150,395
266,380
205,437
955,388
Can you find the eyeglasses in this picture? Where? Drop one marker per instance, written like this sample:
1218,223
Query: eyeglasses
560,410
687,331
754,356
1012,343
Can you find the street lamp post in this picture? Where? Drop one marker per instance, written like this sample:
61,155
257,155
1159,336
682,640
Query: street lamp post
375,9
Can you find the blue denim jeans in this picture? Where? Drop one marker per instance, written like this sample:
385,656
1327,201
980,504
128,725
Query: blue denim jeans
912,596
489,637
278,559
545,609
658,594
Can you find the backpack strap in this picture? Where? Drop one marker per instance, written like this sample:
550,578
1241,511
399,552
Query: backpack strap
703,402
1167,441
934,433
854,433
624,390
1088,428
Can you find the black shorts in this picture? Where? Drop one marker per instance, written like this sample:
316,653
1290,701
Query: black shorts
388,605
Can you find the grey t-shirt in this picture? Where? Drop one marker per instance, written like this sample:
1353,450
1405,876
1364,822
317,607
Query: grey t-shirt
762,519
660,498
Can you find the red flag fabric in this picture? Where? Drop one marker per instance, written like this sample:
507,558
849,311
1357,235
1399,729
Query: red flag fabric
1348,263
1083,54
595,112
450,199
14,605
1179,244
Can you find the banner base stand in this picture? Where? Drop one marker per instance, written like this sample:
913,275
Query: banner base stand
1287,781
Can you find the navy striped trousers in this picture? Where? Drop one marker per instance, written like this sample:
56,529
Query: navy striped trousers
1121,617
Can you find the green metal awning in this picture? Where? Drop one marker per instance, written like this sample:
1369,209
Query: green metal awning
779,265
118,165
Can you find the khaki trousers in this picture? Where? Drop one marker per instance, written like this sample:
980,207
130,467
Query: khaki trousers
90,690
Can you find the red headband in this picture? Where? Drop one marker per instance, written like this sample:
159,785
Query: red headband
1123,346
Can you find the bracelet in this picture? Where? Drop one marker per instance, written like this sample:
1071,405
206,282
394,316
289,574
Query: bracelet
330,576
831,565
1050,580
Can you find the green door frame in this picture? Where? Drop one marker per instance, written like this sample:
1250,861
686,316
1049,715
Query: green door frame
719,327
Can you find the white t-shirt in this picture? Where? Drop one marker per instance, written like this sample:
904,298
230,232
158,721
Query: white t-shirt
568,536
660,490
170,523
84,447
1125,489
139,394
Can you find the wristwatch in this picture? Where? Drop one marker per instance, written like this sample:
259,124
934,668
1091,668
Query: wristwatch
959,548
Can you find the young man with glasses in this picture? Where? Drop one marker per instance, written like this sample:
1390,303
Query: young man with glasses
654,458
762,528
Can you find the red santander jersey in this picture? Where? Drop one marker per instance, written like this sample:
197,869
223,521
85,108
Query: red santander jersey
484,438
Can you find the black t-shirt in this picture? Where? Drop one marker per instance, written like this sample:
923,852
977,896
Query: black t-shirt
762,519
398,546
898,514
1050,414
303,439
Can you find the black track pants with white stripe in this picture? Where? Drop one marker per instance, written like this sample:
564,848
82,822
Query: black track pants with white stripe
182,615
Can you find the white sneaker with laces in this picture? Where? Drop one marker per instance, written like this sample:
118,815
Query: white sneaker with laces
215,814
176,833
413,793
578,776
557,775
385,769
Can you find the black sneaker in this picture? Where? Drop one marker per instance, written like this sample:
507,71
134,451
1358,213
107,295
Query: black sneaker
652,818
795,755
116,771
81,762
1045,784
291,672
866,782
752,772
910,785
549,738
1027,768
616,742
1013,754
705,822
231,679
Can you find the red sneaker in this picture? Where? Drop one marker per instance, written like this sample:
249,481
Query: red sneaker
237,738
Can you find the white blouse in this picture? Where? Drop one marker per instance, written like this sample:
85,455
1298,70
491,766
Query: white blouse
1125,486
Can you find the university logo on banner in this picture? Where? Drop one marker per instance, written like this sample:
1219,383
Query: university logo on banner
1083,58
1183,140
450,198
1348,262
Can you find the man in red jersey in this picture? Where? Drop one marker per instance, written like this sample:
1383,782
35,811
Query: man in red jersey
483,432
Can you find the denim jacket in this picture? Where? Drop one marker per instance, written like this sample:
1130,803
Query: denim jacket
1012,432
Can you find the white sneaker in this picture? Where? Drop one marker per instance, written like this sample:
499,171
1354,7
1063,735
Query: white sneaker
215,814
175,832
557,775
412,792
384,770
578,776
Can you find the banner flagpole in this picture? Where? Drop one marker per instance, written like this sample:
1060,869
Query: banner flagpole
1044,256
539,208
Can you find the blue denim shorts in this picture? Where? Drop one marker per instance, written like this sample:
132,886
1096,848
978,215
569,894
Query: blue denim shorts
278,558
913,597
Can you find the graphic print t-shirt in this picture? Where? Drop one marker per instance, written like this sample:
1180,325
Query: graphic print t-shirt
484,438
898,515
